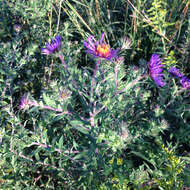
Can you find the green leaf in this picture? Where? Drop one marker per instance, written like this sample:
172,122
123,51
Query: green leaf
13,161
82,130
76,122
108,170
61,142
37,156
80,155
48,100
80,126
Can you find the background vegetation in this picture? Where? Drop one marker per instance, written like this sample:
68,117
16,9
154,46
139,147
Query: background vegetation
140,139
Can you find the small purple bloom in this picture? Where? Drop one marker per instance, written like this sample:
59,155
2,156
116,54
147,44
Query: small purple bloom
175,72
155,70
185,82
24,103
53,46
100,48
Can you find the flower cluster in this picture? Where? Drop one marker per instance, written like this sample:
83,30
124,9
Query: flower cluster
155,70
25,103
64,94
100,48
184,81
52,47
175,72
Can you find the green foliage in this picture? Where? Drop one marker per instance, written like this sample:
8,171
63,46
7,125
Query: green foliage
170,60
158,19
158,14
128,133
171,170
184,44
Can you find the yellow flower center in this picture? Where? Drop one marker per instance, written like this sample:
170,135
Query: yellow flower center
63,95
103,50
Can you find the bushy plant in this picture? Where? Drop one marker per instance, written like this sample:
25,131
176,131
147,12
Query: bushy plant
102,111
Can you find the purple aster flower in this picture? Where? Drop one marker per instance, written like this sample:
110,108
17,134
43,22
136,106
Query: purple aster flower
175,72
99,48
185,82
24,103
53,46
155,70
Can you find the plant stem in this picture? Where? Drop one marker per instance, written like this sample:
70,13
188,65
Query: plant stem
67,70
130,85
35,104
92,92
37,163
93,81
116,71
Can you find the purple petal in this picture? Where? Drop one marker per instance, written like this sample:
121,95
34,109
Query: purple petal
90,41
53,46
175,72
185,82
45,51
155,69
102,37
91,44
88,46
